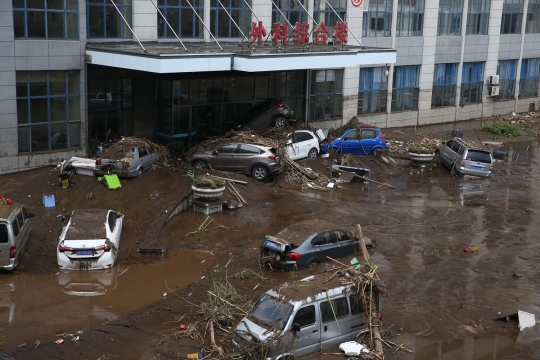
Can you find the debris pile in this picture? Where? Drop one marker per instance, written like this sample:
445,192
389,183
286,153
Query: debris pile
423,146
119,149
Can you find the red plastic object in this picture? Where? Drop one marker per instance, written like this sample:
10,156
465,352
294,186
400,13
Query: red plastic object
183,327
467,249
8,201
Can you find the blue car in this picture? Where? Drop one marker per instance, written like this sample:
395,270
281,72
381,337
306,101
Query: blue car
357,141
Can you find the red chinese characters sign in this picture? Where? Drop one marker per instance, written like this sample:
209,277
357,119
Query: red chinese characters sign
281,33
321,34
341,33
257,33
300,33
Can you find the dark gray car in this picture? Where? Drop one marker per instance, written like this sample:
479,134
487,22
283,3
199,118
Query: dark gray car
256,160
270,112
306,244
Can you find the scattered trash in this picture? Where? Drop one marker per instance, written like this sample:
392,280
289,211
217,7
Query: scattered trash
457,132
21,345
352,348
184,327
308,279
36,344
75,338
203,261
356,263
523,257
164,294
499,154
198,355
330,185
470,249
80,332
111,181
119,275
59,341
6,201
154,195
526,320
247,274
516,275
48,200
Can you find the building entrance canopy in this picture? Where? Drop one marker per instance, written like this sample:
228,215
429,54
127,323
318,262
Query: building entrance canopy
202,57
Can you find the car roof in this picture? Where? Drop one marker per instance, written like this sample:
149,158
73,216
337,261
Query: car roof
299,232
9,210
470,144
87,224
262,147
300,292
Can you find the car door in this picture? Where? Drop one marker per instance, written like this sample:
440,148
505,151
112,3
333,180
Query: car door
368,140
325,245
4,243
223,158
308,338
447,153
351,325
245,157
112,221
306,142
333,311
292,147
350,144
24,222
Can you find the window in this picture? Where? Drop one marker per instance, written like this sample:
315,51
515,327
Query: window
181,17
529,76
221,24
104,21
48,112
472,83
142,151
323,239
227,149
378,18
40,19
373,91
112,220
291,9
450,14
405,90
410,17
507,78
533,17
323,12
356,305
480,156
444,85
305,316
15,227
303,136
21,219
334,309
290,86
351,135
343,235
3,233
248,150
511,16
369,134
109,109
326,94
478,17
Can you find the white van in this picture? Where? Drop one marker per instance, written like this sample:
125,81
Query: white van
15,226
304,318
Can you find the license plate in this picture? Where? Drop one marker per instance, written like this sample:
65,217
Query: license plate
477,168
84,252
271,245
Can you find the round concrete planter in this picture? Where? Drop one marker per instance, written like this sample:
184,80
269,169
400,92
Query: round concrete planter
421,157
207,193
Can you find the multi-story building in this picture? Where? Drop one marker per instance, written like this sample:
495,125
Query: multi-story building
74,73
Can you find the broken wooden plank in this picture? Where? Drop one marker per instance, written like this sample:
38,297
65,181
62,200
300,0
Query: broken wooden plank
229,180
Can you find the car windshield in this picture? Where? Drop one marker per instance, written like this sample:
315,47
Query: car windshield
272,311
480,156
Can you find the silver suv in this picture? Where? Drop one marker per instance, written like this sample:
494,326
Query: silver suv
463,159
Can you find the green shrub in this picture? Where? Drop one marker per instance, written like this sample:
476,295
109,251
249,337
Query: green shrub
502,127
208,182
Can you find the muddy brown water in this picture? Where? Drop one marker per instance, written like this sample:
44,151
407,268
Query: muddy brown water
34,307
442,300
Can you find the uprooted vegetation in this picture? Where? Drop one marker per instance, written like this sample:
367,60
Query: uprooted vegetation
503,127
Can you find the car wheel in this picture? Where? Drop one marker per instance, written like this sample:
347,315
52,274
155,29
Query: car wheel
139,172
259,172
200,164
280,121
312,153
314,263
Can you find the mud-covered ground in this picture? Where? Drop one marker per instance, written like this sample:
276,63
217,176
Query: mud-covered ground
442,300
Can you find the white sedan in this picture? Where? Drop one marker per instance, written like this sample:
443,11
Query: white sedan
90,240
303,144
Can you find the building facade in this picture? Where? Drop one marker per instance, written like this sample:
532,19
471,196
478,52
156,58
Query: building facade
75,73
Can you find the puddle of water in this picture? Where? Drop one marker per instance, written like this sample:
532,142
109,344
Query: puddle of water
36,307
485,347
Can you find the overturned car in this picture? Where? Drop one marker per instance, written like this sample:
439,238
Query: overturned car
307,244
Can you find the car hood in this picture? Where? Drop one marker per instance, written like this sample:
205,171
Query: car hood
246,329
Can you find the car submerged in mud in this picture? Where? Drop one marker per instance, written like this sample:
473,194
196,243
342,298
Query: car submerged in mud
90,240
307,244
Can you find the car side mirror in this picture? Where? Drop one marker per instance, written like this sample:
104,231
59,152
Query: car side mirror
296,327
215,152
31,215
289,141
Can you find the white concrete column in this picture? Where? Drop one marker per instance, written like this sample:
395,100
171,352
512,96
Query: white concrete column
351,80
494,35
431,15
355,17
144,21
460,65
263,10
390,79
518,70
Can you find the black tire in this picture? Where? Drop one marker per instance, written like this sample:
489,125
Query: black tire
259,172
200,164
280,121
140,172
312,153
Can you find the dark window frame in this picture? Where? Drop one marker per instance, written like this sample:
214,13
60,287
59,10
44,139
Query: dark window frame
412,91
444,94
67,14
372,96
533,17
232,31
410,13
478,17
332,314
450,21
327,13
528,83
507,84
471,88
4,231
331,109
512,16
378,10
123,6
168,11
307,324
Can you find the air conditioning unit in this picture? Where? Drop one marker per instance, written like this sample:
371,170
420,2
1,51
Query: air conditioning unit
493,91
493,80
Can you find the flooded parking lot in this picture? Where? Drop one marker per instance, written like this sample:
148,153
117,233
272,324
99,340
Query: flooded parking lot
442,299
34,307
